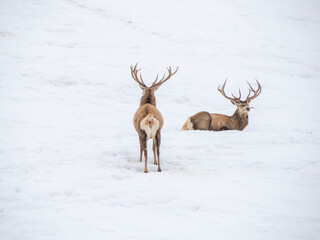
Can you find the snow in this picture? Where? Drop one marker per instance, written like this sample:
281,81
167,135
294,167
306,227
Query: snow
69,153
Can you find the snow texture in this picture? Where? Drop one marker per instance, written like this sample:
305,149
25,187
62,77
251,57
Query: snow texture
69,153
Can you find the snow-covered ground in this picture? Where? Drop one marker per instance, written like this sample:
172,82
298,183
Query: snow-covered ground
69,153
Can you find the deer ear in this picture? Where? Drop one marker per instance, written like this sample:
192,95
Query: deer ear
233,102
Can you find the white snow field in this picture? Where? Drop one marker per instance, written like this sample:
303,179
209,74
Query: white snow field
69,155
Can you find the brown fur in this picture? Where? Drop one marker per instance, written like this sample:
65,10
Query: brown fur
221,122
217,122
148,120
148,97
140,114
201,121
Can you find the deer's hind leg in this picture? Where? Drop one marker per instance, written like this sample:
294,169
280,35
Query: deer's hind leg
201,121
154,148
158,141
143,148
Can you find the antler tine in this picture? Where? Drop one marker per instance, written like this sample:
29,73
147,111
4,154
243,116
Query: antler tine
250,87
134,74
222,86
237,98
169,71
163,79
134,71
248,94
142,80
255,92
224,94
155,80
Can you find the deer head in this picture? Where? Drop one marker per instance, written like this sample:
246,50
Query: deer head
242,106
148,92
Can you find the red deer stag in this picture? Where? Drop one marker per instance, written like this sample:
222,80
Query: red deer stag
148,120
219,122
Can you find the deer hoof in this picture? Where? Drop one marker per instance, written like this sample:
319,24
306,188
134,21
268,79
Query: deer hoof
159,170
155,163
145,171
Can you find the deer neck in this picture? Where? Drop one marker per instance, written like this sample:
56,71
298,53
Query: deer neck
240,119
148,97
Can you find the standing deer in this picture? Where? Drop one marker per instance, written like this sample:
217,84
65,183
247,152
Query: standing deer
148,120
219,122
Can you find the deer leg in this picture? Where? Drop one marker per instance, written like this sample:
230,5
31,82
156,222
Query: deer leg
141,150
145,160
154,148
141,140
144,148
158,140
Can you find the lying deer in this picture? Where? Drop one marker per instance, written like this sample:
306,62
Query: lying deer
148,120
219,122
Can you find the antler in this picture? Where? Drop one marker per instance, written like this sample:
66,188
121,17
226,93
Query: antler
255,92
157,83
134,74
224,94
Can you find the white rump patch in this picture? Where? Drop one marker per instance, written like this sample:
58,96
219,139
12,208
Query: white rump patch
144,125
189,124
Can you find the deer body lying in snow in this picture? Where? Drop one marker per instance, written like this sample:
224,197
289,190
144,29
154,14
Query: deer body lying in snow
219,122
